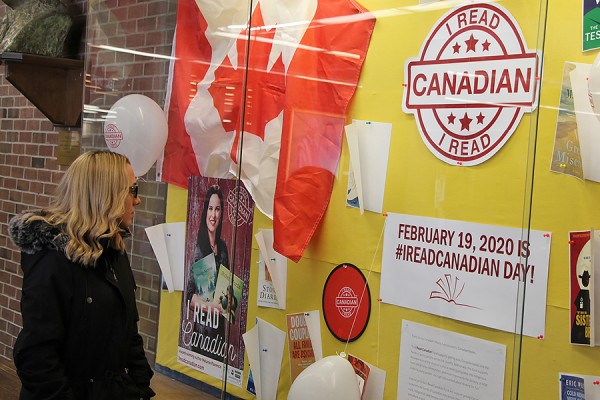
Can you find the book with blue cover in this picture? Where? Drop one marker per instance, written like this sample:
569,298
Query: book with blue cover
205,276
572,387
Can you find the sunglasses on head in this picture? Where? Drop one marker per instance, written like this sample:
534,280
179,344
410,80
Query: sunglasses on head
134,190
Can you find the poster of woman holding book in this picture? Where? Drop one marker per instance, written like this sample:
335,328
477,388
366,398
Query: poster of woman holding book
209,241
217,273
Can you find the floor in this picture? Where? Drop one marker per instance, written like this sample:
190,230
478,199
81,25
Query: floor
165,387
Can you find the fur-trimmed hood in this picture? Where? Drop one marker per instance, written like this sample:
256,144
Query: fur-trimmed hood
32,236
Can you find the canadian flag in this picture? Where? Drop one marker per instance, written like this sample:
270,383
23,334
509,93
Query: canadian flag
284,78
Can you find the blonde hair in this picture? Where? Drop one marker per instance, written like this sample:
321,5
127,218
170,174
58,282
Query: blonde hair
89,203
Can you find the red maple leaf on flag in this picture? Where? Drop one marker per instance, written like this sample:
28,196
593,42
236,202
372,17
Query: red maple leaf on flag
265,88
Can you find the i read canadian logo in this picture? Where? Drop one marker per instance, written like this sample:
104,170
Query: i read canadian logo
113,136
471,83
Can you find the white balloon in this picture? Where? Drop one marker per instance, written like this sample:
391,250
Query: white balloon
137,128
594,86
330,378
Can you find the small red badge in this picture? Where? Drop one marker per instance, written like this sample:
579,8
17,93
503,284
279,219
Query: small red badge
346,302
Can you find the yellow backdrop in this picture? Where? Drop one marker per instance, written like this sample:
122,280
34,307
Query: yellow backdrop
497,192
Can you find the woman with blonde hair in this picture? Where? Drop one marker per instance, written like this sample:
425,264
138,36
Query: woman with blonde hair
80,338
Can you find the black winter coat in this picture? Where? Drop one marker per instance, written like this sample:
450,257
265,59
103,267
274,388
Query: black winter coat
79,338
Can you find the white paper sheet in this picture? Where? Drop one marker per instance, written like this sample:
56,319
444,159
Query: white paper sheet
252,343
369,145
375,384
313,322
276,265
355,173
168,242
439,364
588,124
264,345
375,378
466,271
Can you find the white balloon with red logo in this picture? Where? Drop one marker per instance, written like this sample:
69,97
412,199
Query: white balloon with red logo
137,128
330,378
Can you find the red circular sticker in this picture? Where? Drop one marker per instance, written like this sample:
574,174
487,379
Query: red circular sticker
346,302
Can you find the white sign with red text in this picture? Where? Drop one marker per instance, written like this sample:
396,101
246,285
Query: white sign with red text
466,271
471,83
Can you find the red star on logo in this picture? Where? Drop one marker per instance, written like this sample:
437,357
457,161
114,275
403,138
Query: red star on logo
456,47
471,43
480,118
486,45
451,118
465,122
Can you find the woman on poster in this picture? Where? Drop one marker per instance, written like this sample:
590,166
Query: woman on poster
211,223
208,242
